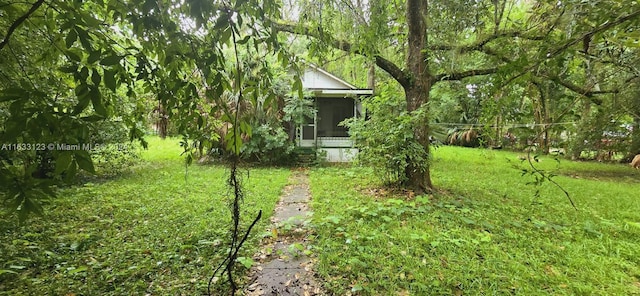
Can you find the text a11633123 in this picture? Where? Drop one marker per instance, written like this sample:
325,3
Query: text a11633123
58,146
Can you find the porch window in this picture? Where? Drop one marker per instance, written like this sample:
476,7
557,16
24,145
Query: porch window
308,129
332,111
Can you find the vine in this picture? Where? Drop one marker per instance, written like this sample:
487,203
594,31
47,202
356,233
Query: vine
234,182
540,176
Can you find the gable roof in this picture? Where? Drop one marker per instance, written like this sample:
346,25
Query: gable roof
322,82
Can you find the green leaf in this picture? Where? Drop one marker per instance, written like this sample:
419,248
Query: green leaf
82,92
13,93
2,271
93,57
90,20
95,77
71,38
240,3
110,80
233,141
85,39
244,40
247,262
84,161
245,128
71,172
225,36
239,20
63,161
73,56
70,23
110,60
200,122
98,103
84,73
222,21
78,270
31,206
69,69
15,127
356,288
297,86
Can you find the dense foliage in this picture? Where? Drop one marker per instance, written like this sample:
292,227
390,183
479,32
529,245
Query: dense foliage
81,81
385,137
544,73
527,70
69,69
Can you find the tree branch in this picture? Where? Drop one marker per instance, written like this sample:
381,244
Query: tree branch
388,66
587,92
19,21
480,44
464,74
577,40
491,52
593,32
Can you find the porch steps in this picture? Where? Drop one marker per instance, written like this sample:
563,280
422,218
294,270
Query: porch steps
306,156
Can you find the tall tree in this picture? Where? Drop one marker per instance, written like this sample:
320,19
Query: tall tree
445,41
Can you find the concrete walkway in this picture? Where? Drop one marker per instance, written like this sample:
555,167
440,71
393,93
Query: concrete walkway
283,265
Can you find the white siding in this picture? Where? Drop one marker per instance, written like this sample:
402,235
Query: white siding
340,154
313,79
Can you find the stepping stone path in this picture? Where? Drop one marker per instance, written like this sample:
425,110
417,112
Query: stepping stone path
283,266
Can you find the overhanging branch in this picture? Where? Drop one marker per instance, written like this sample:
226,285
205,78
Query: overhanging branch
478,45
464,74
599,29
575,41
388,66
587,92
491,52
19,21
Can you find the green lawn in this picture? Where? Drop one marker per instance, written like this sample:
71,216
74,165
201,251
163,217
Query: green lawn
483,233
151,231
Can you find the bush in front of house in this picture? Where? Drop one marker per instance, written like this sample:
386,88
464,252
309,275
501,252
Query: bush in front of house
386,138
269,144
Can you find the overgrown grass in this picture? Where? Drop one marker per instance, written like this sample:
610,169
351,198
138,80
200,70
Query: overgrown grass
154,231
483,233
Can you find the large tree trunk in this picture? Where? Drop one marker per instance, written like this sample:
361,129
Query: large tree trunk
419,178
420,82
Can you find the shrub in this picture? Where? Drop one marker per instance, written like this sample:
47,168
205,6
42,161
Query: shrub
113,151
386,138
269,144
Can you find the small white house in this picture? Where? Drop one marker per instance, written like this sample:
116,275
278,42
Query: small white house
335,100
